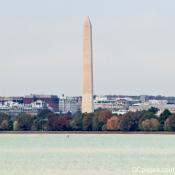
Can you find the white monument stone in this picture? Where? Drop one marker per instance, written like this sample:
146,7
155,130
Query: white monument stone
87,98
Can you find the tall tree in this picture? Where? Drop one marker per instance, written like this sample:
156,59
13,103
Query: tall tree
77,123
59,123
103,117
113,124
163,116
169,124
24,121
150,125
146,115
87,121
130,121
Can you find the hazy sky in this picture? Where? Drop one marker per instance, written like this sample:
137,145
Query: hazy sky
41,46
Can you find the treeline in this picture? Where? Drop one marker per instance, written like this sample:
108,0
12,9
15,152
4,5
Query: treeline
100,120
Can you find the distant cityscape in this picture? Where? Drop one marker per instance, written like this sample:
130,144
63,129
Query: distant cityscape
88,102
117,104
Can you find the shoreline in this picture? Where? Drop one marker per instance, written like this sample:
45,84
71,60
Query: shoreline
88,132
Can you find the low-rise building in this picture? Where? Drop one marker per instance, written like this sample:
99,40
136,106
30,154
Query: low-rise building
14,108
118,105
51,100
70,104
160,104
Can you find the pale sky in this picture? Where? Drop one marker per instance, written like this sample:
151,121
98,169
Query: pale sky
41,46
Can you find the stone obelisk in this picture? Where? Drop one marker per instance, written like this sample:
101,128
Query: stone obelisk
87,98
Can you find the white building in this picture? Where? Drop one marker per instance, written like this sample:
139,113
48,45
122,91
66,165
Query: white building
69,104
160,104
116,105
14,108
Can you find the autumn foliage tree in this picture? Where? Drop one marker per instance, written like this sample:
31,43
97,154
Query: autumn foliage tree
170,123
4,118
113,124
100,120
130,121
150,125
146,115
103,117
4,125
58,123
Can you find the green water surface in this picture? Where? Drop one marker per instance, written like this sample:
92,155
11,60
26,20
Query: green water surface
86,154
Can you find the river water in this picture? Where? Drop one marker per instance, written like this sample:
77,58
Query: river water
87,154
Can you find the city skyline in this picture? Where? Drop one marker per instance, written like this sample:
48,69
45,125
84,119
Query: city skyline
41,47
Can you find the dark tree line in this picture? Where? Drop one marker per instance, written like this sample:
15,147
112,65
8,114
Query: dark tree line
100,120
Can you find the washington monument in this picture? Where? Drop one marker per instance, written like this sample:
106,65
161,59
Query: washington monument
87,98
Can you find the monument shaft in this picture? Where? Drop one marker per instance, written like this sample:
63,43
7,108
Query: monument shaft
87,99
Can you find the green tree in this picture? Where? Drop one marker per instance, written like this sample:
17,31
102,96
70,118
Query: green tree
87,121
163,116
41,124
45,113
96,124
24,121
77,123
4,116
41,120
10,125
130,121
154,110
